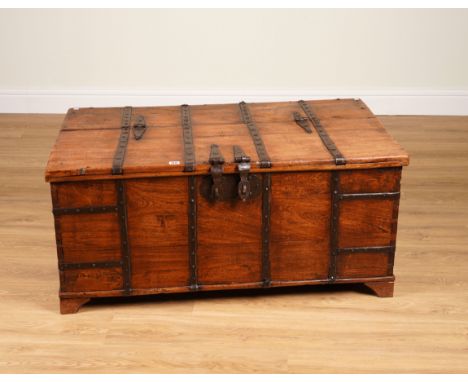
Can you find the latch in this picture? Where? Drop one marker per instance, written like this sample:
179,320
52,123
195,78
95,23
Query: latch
302,122
243,166
216,161
139,127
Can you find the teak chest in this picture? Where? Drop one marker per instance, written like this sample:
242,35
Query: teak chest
153,200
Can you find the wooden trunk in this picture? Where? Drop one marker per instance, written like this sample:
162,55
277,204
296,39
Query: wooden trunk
158,200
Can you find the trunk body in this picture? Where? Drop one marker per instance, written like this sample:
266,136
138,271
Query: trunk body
308,217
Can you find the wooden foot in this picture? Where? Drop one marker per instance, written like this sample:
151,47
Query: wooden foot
381,288
72,305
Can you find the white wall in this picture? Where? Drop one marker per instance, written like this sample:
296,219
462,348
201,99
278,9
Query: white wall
52,59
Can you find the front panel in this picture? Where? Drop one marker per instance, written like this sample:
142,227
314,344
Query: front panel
300,226
157,229
229,239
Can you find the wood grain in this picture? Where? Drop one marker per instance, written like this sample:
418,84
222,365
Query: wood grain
86,144
314,329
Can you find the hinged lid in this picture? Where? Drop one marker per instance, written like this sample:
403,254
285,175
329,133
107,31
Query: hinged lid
163,141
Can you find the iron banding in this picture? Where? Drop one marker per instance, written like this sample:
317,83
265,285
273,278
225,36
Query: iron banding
327,141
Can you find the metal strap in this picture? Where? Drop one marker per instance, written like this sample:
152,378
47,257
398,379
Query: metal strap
189,151
99,265
124,244
384,249
240,155
263,157
84,210
192,232
266,212
334,222
396,205
117,164
371,195
327,141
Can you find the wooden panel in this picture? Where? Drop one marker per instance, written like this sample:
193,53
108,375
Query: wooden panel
325,109
90,237
230,222
82,194
376,180
91,280
157,227
110,117
365,222
362,265
91,118
158,267
229,240
300,225
364,141
299,260
157,211
234,263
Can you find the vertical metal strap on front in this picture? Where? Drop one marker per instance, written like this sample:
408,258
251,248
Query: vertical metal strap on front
189,151
119,156
124,244
266,211
263,156
334,221
192,231
327,141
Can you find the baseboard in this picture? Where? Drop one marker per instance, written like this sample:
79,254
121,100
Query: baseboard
404,102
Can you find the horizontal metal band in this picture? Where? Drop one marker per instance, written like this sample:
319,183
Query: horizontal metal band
388,248
84,210
104,264
370,195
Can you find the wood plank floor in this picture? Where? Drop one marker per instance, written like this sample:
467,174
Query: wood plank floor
424,328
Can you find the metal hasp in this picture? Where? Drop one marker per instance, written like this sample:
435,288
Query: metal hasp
302,122
139,127
117,164
216,161
327,141
263,156
189,150
243,166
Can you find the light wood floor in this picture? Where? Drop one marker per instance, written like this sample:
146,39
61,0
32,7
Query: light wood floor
424,328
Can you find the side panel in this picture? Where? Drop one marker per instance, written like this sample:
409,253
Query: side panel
300,226
367,222
88,244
